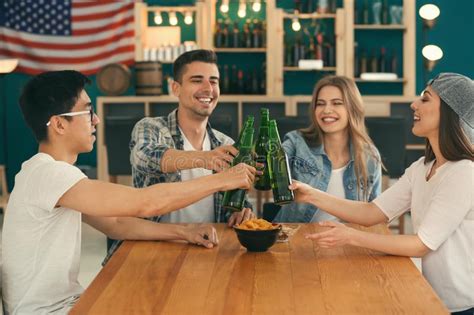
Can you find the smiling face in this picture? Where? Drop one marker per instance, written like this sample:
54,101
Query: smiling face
331,112
426,114
198,90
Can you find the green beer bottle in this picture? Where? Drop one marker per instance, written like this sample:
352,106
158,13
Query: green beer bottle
248,124
261,150
278,167
234,199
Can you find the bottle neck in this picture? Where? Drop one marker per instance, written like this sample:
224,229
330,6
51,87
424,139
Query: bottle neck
273,134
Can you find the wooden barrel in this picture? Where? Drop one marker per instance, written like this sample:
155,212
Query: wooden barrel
113,79
149,78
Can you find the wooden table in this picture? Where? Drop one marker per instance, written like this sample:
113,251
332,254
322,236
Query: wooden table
296,277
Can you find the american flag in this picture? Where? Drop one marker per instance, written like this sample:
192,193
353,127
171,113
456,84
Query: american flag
66,34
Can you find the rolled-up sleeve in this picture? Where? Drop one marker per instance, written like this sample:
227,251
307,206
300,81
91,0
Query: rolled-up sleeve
148,145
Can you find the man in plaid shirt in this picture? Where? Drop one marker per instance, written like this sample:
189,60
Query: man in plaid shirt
183,146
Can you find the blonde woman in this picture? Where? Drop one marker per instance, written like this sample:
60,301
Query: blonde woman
334,154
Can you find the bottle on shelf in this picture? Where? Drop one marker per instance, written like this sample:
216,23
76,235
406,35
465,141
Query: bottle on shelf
263,79
240,82
261,150
264,33
363,62
234,199
356,60
384,12
226,80
382,60
296,52
278,166
288,56
319,46
332,6
298,5
356,13
365,12
247,38
256,35
310,6
226,33
233,80
394,63
255,86
236,35
374,62
322,6
218,40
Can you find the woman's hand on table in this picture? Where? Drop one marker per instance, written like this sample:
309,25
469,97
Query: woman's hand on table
338,235
204,235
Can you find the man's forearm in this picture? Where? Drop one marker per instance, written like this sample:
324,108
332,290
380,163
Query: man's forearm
128,228
177,160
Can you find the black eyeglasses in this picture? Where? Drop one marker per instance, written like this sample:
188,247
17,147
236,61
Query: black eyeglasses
90,112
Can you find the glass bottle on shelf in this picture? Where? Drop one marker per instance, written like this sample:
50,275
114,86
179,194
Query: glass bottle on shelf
363,62
356,13
234,199
297,5
256,34
384,12
255,86
240,82
261,150
322,6
356,60
373,62
233,81
236,35
394,63
226,80
310,6
226,33
331,54
264,33
218,42
365,12
263,79
247,38
382,60
278,167
296,52
288,56
332,6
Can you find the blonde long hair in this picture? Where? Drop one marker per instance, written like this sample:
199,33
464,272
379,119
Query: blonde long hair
361,143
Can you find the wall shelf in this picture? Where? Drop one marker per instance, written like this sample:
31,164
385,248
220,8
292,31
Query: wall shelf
309,16
379,27
307,70
240,50
380,81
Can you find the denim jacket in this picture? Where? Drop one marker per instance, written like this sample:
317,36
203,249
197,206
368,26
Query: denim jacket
312,166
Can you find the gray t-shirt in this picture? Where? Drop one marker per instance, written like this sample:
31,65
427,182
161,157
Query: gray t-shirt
41,243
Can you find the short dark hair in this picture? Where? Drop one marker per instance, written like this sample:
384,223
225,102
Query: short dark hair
201,55
48,94
453,141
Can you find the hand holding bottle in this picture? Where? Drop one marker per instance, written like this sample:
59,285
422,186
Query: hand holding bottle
304,193
240,176
220,158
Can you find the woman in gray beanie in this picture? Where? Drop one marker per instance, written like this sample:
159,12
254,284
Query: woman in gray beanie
437,189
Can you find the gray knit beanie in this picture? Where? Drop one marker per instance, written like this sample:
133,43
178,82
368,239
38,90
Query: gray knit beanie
457,91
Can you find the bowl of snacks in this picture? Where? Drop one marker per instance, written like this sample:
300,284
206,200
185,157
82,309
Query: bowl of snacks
257,235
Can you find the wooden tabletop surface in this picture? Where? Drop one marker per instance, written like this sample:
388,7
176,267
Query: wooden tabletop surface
296,277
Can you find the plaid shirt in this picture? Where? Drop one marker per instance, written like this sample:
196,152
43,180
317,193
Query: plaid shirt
151,137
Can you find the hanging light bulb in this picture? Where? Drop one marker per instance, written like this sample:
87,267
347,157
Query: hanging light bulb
432,54
429,13
295,24
173,18
242,9
256,6
188,17
158,18
224,6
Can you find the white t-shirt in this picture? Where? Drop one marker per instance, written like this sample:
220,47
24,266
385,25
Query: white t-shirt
443,218
335,188
203,210
41,244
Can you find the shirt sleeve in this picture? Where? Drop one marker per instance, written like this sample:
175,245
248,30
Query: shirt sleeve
397,199
449,205
148,145
49,182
